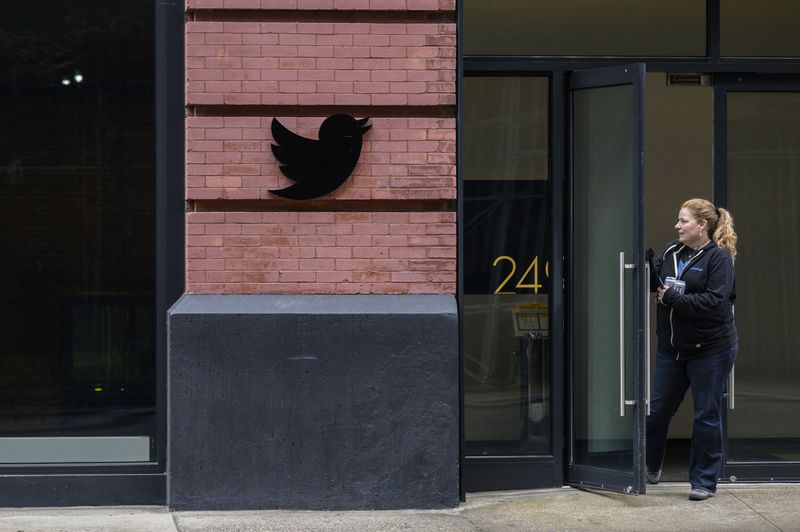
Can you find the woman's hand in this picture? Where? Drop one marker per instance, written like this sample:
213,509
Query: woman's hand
661,291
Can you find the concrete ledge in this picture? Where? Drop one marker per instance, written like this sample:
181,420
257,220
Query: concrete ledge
313,402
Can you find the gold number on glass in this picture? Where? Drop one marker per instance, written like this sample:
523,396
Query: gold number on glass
534,265
510,275
536,286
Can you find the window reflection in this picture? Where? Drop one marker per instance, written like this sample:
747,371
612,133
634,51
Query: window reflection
759,29
585,27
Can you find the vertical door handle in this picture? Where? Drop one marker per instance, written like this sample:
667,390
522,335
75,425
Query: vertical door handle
732,388
646,285
622,333
622,268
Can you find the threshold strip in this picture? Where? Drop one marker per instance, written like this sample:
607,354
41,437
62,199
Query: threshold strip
383,111
329,205
320,15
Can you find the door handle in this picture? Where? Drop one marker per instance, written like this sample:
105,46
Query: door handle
732,388
622,333
646,285
622,268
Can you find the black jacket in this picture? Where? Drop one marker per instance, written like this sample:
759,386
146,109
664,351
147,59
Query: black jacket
700,321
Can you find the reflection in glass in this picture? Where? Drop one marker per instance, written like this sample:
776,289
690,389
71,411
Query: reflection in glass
507,397
76,200
764,198
585,27
506,128
602,228
767,28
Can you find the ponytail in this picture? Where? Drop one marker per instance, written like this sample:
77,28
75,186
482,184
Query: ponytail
723,234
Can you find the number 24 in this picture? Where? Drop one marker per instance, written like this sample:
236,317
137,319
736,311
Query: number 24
534,265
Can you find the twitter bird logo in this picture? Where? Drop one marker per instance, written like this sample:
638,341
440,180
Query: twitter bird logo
318,166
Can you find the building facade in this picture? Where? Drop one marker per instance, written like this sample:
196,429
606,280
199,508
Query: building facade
462,310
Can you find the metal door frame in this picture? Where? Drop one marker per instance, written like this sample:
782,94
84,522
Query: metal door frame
725,83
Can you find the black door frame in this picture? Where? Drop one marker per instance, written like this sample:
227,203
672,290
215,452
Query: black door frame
143,483
734,471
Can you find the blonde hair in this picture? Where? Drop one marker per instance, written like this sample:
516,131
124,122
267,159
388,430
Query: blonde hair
719,222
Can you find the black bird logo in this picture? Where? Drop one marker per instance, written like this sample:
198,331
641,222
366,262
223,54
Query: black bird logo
318,166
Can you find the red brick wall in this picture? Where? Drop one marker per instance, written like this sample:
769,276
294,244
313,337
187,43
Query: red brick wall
401,158
400,73
287,63
321,252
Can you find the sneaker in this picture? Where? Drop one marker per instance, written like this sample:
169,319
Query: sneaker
699,494
653,477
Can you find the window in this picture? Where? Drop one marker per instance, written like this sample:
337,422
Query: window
77,180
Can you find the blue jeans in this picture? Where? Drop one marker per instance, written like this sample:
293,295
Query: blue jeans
706,375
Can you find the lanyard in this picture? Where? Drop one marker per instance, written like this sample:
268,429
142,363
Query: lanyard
685,264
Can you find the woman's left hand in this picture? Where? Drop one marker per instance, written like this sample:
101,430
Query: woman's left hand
661,291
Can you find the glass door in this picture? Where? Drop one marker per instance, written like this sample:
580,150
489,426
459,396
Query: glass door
758,179
605,289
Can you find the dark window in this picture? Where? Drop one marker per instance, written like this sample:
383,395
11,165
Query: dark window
77,179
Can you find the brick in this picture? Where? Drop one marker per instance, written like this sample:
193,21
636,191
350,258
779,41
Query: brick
261,253
315,75
315,99
316,51
297,39
223,253
317,264
260,39
334,252
297,277
334,276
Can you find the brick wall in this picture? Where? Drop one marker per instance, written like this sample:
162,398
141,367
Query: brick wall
321,252
246,63
285,63
401,158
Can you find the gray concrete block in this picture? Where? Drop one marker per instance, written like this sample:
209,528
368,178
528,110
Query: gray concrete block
313,402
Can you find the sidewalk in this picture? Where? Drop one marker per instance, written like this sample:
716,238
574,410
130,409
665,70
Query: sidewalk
750,508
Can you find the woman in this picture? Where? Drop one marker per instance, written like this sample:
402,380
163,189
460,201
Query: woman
697,339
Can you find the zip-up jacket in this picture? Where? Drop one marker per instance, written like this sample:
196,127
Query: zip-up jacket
699,321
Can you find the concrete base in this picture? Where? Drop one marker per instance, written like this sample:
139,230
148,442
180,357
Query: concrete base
313,402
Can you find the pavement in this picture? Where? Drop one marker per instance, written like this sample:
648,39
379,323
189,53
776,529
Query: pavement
664,507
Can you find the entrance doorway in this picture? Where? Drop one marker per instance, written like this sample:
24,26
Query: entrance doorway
735,141
679,164
724,137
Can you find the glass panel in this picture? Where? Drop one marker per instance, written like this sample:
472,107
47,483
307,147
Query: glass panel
602,227
506,252
77,183
764,198
585,27
767,28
